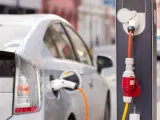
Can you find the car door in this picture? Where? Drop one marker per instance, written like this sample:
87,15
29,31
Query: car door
76,97
59,57
52,101
94,85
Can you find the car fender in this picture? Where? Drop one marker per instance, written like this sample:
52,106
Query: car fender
73,110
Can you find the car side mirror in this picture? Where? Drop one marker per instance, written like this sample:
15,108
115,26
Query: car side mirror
103,62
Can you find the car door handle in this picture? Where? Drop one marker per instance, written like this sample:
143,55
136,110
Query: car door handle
91,83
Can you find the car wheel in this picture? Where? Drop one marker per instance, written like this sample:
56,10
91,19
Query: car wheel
107,112
72,117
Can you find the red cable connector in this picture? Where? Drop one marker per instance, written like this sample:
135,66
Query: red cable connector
130,86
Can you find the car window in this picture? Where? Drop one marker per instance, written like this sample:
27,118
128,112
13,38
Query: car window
80,47
49,49
63,44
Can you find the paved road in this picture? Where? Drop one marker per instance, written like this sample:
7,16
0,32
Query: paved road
110,75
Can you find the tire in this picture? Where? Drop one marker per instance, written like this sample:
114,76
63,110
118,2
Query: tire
107,112
72,117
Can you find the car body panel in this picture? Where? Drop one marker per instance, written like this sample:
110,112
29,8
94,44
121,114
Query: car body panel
5,105
8,82
75,97
31,48
110,75
6,85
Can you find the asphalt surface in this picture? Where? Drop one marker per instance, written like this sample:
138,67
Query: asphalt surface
110,76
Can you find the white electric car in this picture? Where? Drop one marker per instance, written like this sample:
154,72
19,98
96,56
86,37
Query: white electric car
34,51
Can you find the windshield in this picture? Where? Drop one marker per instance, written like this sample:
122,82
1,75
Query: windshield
11,35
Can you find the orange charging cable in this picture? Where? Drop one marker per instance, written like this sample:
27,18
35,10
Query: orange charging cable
85,102
129,44
129,56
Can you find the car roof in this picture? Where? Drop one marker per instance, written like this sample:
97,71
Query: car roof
29,18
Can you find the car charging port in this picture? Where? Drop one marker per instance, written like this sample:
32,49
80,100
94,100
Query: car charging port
71,80
72,76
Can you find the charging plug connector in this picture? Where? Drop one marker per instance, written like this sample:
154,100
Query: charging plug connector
134,116
58,84
128,81
133,25
129,67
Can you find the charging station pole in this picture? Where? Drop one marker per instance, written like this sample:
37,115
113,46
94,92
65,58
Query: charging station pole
144,53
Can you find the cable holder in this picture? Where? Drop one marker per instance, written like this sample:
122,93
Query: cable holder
132,18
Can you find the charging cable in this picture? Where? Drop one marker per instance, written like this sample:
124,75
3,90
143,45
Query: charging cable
130,44
85,101
129,56
129,83
58,84
125,111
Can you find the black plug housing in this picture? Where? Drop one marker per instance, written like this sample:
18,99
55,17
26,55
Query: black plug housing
76,86
131,29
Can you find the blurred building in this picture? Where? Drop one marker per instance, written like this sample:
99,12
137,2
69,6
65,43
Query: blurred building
92,22
19,6
68,9
110,13
158,14
111,3
110,24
